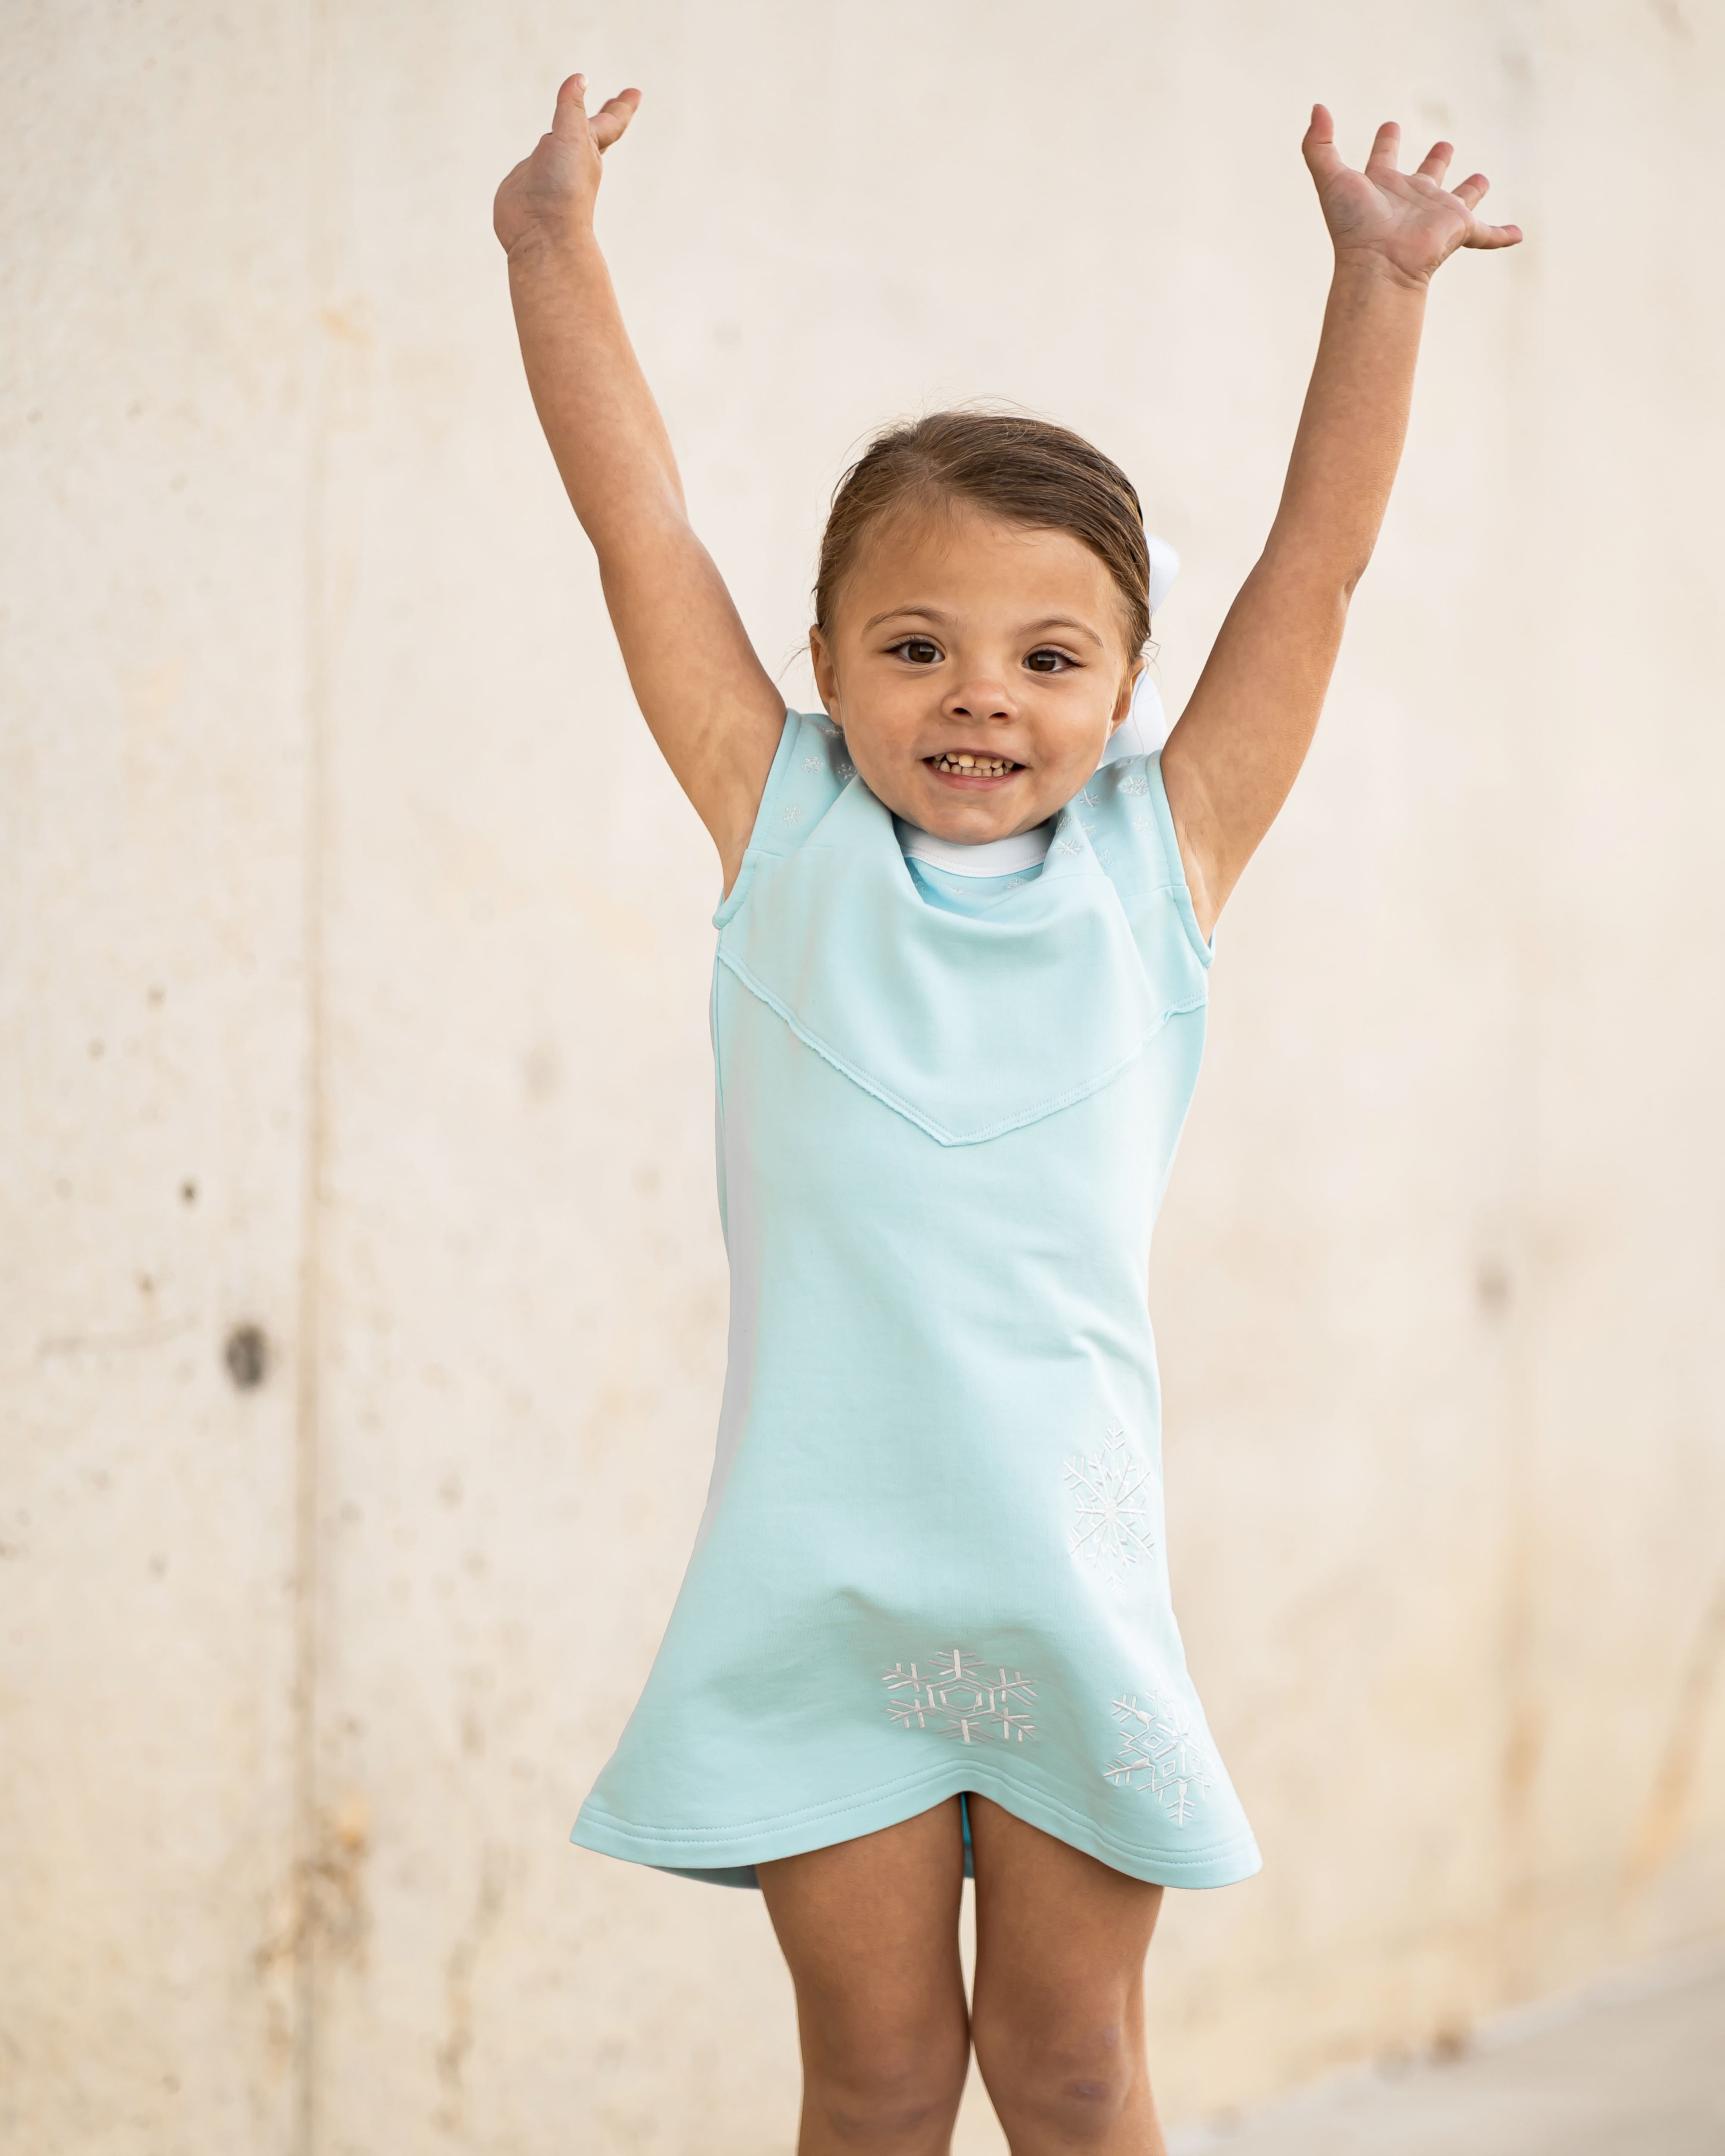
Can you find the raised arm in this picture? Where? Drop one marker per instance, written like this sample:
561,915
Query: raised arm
711,705
1240,742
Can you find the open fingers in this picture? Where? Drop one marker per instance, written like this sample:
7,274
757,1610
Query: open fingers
614,116
1386,146
1323,158
1470,194
1436,161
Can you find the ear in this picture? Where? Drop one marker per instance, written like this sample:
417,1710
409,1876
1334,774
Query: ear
1128,690
826,674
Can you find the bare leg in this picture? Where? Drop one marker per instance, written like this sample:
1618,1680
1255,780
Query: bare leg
1058,2013
871,1931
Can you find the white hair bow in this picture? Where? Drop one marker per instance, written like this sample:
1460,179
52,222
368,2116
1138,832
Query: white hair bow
1164,568
1145,728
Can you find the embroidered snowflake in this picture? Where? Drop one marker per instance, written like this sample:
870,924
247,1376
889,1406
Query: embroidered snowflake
957,1695
1095,800
793,814
1115,1501
1159,1754
1133,782
811,763
1068,835
847,770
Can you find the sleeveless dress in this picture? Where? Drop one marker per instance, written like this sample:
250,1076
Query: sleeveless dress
933,1558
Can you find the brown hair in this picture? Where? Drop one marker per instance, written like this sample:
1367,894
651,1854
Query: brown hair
1027,470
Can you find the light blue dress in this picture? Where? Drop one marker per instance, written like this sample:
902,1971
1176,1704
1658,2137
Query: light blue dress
933,1558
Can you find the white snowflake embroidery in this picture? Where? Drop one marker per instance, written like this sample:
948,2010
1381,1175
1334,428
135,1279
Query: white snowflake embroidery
847,771
793,814
1141,822
1134,782
955,1695
1067,833
1093,799
1159,1754
1115,1500
1068,838
811,763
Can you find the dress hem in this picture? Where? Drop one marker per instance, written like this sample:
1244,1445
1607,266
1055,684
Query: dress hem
727,1855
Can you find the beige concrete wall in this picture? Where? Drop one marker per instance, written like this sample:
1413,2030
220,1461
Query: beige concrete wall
343,889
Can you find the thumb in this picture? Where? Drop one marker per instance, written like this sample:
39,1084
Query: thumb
569,121
1323,161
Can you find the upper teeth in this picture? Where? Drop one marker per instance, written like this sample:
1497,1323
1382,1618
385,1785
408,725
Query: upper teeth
982,766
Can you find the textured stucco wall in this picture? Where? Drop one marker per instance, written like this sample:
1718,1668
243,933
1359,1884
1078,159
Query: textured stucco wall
355,987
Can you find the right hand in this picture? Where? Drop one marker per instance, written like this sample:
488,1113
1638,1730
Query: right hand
1407,222
551,194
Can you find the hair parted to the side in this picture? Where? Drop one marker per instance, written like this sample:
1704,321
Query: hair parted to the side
1028,471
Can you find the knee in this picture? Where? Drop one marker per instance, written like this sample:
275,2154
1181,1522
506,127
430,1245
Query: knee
888,2097
1071,2086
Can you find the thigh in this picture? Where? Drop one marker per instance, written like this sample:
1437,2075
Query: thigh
870,1929
1057,2013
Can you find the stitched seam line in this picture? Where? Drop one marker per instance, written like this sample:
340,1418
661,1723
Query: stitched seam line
890,1100
1169,841
758,848
717,1837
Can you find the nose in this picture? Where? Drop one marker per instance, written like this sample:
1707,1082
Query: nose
979,700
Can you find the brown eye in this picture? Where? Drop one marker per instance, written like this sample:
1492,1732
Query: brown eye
919,650
1045,661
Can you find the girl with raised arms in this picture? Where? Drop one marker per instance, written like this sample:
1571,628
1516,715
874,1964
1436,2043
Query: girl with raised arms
957,1013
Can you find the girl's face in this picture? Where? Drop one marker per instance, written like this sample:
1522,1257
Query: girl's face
976,667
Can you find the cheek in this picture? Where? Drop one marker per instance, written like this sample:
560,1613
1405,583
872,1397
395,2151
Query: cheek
877,705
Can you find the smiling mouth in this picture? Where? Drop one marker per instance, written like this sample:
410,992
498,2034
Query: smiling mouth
955,763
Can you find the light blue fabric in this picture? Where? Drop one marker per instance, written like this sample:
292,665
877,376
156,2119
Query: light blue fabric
963,893
933,1558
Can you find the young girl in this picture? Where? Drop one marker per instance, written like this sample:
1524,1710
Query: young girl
957,1013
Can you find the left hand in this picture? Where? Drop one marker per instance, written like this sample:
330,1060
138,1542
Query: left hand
550,194
1407,221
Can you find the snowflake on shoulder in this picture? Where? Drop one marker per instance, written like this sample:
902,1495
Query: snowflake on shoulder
1133,782
1158,1754
1114,1502
960,1695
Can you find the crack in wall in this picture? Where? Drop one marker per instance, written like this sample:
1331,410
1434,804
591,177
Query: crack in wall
463,1958
325,1893
1666,1814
